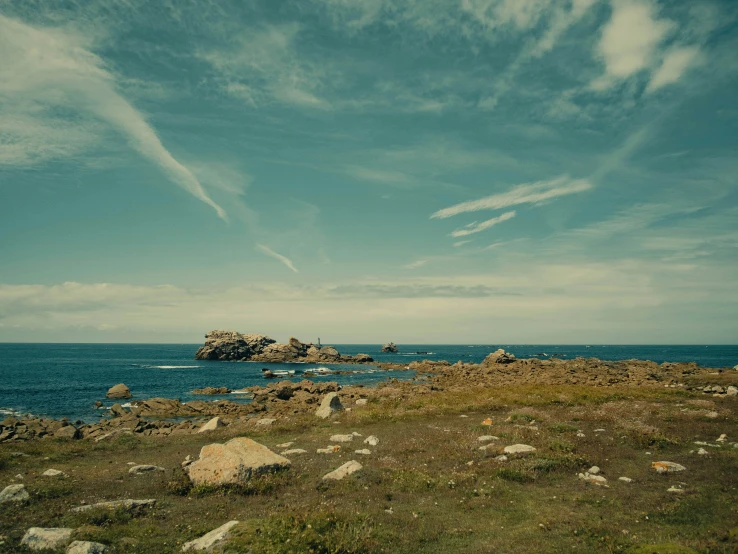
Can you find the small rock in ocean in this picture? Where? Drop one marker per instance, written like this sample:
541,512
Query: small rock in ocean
341,438
212,539
667,467
211,425
371,440
86,547
53,473
363,452
329,450
594,470
119,391
294,451
519,449
38,538
345,470
362,402
141,469
14,493
331,403
625,479
485,438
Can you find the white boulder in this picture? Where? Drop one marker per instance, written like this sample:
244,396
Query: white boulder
14,493
39,538
86,547
519,449
346,469
211,425
331,403
342,438
211,539
667,467
371,440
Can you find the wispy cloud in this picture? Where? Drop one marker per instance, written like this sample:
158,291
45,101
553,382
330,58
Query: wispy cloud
49,68
484,225
461,243
532,193
272,254
415,264
676,62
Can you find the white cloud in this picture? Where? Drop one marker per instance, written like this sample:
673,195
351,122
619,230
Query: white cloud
484,225
630,40
272,254
532,193
522,14
415,265
676,62
49,67
461,243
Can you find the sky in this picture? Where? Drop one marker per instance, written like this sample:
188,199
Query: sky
421,171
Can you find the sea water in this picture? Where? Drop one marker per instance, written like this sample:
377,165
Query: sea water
65,380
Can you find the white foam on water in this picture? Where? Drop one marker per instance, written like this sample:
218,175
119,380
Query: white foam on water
126,405
174,366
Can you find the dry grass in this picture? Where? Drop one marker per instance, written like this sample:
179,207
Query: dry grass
426,487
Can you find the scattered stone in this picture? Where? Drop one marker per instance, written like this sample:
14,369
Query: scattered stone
294,451
234,462
702,452
118,411
211,539
519,449
485,438
463,415
187,461
625,479
599,430
266,421
329,450
732,391
331,403
127,504
211,425
212,391
594,470
667,467
141,469
501,458
712,415
363,452
722,438
67,432
371,440
362,402
53,473
346,469
341,438
580,434
286,444
86,547
676,489
593,478
19,477
119,391
14,493
38,538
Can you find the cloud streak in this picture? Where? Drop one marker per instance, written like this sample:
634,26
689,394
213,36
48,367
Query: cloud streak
45,69
532,193
483,226
272,254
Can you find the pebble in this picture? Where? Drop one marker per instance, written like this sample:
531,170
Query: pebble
625,479
53,473
485,438
594,470
599,430
294,451
329,450
345,470
364,451
286,444
590,478
341,438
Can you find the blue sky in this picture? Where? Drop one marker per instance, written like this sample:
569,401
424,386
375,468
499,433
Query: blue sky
458,171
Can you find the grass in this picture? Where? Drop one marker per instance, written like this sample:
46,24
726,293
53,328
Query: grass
425,488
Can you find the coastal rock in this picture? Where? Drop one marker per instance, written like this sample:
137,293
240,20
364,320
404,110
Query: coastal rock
211,425
212,391
86,547
499,357
14,493
119,391
345,470
39,538
363,358
390,347
212,539
328,352
142,469
67,432
118,411
330,404
128,504
234,462
362,401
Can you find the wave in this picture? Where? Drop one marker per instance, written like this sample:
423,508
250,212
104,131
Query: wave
173,366
8,411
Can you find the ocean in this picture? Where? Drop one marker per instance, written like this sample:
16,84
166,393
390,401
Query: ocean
65,380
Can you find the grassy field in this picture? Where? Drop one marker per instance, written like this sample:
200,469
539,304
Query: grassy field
426,487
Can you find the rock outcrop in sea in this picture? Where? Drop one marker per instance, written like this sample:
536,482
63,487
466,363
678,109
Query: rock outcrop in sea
231,345
389,347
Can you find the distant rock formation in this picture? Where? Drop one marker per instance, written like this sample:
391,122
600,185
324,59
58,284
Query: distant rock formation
119,391
231,345
389,347
499,357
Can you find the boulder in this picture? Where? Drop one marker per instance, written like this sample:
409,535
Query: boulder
38,538
211,425
234,462
342,438
14,493
363,452
294,451
67,432
667,467
390,347
345,470
212,391
499,357
363,358
362,401
519,449
230,345
118,411
86,547
141,469
212,539
53,473
329,352
331,403
593,478
371,440
119,391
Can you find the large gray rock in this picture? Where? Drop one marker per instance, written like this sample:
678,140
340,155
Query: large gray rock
38,538
67,432
86,547
211,425
230,345
212,539
345,470
331,403
234,462
14,493
119,391
519,449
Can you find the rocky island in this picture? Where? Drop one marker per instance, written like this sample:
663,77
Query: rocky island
234,346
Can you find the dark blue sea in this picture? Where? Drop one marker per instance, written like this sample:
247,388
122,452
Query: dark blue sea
64,380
